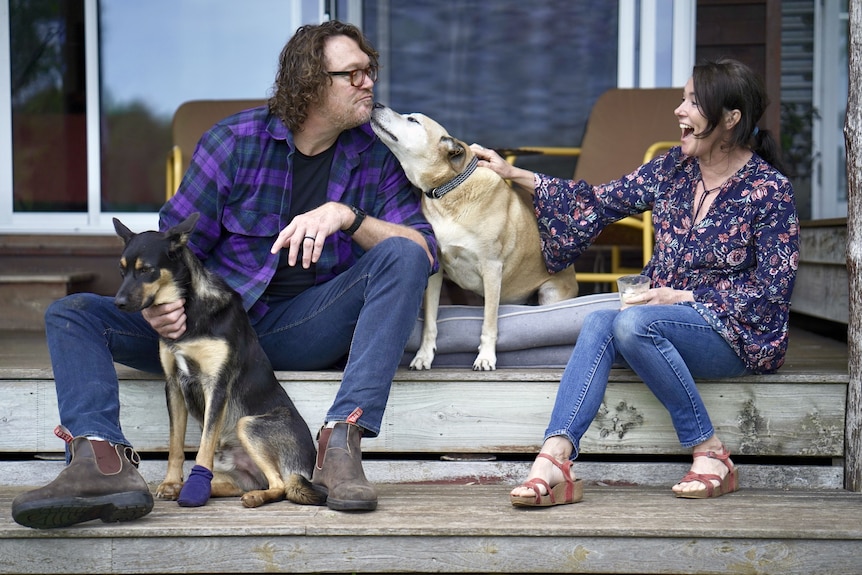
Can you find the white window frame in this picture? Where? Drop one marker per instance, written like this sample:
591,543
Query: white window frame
830,23
5,120
94,220
638,40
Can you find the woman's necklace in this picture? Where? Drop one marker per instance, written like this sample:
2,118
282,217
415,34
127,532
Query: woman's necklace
703,197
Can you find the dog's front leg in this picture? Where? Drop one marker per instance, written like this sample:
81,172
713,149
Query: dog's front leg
178,417
198,487
427,348
492,277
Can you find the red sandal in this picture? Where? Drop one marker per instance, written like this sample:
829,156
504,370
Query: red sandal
568,491
728,484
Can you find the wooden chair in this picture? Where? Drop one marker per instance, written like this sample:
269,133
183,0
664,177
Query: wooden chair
191,120
627,127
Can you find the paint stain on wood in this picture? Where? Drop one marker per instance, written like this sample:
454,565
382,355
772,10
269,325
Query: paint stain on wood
618,420
828,439
752,428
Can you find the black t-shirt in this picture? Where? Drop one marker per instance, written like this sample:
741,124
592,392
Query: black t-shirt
310,181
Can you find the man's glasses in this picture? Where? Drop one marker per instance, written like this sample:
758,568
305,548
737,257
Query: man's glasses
357,77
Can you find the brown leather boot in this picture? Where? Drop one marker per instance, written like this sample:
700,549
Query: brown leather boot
338,470
100,482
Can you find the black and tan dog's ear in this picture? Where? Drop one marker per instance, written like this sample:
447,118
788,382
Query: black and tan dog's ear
454,151
123,231
179,234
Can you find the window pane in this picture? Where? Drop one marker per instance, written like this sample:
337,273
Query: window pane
506,73
49,138
157,54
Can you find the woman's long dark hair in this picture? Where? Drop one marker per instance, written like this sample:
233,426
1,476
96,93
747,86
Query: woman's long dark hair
727,84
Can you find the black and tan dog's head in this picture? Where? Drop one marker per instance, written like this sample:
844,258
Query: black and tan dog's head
151,264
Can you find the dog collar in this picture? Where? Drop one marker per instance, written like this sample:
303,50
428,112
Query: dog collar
440,191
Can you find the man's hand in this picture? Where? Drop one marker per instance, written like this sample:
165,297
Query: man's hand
168,319
307,232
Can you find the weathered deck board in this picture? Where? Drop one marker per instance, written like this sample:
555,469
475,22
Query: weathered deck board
447,412
798,412
441,516
464,528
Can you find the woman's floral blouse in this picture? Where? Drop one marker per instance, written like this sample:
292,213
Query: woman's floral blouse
740,260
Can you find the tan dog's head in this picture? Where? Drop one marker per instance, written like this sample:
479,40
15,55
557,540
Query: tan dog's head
429,155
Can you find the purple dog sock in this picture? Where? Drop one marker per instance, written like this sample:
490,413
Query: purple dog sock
197,488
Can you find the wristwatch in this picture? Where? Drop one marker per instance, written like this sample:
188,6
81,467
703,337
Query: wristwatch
360,217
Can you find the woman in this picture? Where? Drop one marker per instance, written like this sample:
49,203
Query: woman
722,273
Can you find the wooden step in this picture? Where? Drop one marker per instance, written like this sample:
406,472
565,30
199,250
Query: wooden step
24,297
506,411
463,528
795,416
454,443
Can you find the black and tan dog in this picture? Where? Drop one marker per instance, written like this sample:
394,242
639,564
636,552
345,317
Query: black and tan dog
259,443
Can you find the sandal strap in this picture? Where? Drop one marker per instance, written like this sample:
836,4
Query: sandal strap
534,483
566,469
722,456
705,478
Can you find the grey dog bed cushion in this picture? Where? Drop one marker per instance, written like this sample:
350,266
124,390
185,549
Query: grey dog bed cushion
528,335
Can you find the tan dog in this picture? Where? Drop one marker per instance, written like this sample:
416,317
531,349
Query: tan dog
487,233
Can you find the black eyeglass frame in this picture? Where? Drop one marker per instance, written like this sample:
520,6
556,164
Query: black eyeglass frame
360,73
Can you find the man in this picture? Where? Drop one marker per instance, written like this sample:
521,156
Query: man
311,219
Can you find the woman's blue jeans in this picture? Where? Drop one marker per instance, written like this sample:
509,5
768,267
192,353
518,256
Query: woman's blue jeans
666,345
366,314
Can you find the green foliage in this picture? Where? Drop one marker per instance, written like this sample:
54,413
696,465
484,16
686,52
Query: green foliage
797,123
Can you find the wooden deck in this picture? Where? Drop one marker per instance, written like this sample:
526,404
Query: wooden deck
464,529
447,512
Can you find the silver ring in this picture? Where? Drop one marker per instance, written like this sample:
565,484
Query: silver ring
312,238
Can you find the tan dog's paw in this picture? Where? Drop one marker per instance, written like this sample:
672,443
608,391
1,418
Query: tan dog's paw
421,363
485,362
169,490
422,360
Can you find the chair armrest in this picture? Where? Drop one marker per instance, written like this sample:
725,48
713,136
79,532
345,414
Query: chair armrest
657,148
511,155
173,171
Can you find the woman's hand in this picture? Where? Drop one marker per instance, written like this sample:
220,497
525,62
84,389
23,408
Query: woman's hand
517,176
490,159
662,296
168,319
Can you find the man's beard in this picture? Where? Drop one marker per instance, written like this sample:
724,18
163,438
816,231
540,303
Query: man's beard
349,118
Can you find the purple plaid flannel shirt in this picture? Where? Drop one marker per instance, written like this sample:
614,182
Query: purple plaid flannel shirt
240,181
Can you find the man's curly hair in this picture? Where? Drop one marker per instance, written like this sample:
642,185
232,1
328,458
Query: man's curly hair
302,70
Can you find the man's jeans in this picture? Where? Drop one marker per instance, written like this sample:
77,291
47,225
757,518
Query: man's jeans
366,313
666,345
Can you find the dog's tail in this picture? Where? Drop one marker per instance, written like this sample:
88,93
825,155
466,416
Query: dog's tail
298,489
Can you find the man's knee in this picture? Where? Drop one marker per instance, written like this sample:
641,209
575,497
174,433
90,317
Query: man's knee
407,259
62,310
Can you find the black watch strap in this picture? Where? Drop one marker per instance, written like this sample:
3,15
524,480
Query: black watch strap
357,221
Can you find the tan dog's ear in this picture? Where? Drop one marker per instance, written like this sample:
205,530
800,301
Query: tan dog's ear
455,151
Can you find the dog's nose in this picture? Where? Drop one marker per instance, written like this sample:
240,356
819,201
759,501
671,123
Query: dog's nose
121,302
378,105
